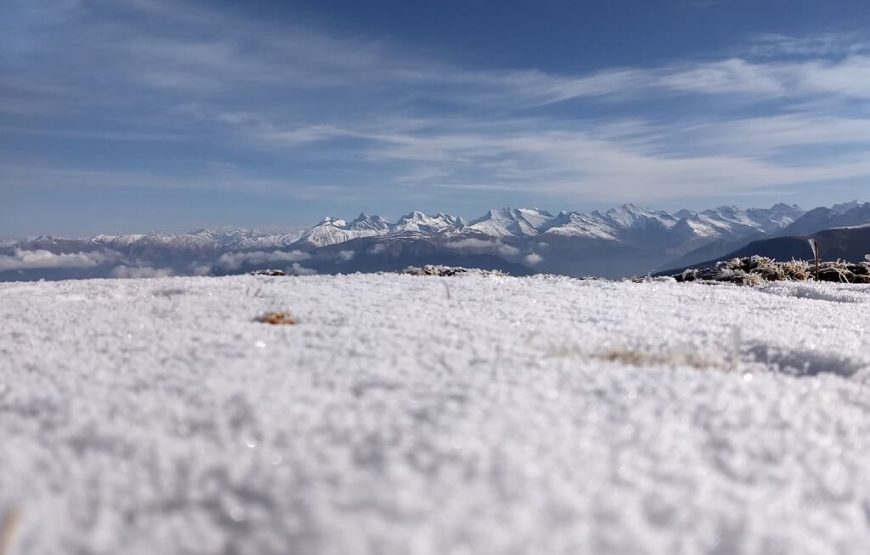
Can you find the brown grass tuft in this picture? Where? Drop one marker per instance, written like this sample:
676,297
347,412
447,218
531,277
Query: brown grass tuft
8,526
277,318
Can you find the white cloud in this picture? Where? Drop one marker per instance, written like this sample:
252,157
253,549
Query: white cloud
298,270
778,133
234,261
136,272
725,77
470,243
346,256
508,250
43,259
533,259
200,269
849,77
772,45
644,160
484,245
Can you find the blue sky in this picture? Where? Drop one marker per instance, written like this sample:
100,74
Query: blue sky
131,115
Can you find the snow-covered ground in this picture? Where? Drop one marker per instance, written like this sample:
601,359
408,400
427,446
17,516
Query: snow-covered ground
424,415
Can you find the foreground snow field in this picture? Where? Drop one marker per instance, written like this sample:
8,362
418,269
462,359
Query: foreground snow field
424,415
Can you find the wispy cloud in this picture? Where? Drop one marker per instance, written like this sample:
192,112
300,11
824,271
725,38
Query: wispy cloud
257,106
771,45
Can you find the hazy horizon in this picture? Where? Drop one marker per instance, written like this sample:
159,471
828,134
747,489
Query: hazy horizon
297,227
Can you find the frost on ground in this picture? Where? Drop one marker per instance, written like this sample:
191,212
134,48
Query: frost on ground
756,270
422,415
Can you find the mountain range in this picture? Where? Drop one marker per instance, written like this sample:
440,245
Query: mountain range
624,241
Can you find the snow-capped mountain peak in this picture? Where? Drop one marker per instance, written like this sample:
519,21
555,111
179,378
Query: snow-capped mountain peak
844,207
629,216
506,222
365,222
332,231
576,224
419,222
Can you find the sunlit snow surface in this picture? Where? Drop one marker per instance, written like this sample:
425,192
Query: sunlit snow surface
425,415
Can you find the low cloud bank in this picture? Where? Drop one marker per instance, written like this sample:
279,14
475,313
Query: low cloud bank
43,259
134,272
300,270
197,269
234,261
478,245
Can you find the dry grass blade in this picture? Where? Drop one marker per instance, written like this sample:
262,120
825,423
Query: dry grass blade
814,245
274,318
634,357
8,525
